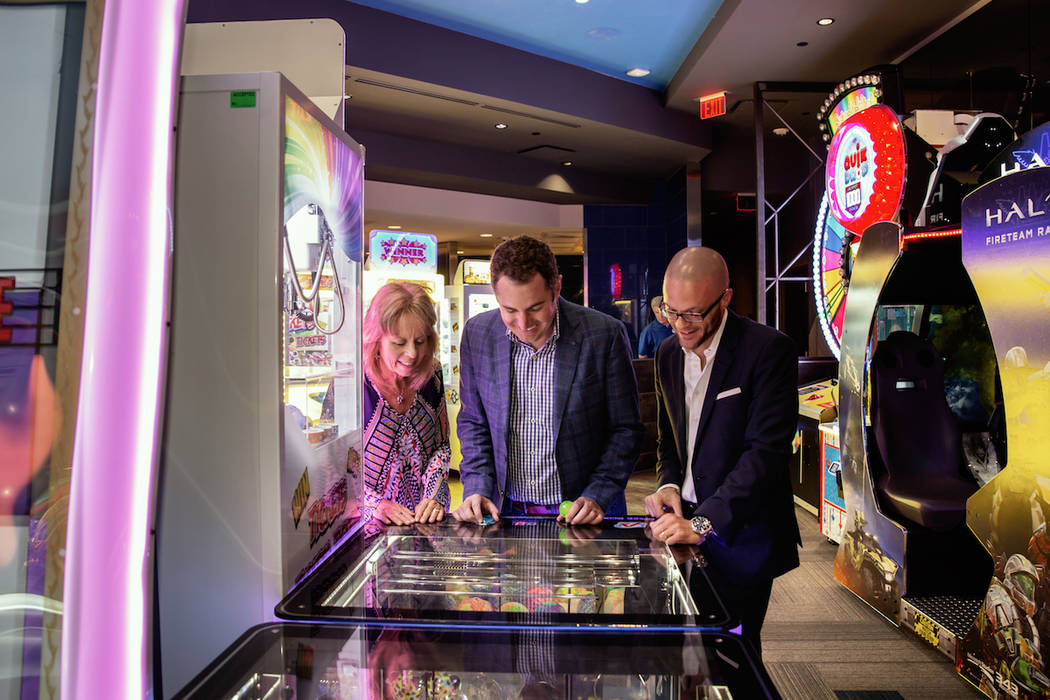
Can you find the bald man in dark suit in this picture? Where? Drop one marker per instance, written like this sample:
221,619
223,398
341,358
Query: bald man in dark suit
727,409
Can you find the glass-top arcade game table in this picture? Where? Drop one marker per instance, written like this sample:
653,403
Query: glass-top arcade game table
524,607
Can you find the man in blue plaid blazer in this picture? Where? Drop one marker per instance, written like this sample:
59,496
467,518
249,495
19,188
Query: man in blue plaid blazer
549,408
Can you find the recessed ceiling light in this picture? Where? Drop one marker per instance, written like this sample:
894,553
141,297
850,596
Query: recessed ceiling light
486,235
459,252
566,163
638,72
394,227
501,125
825,21
582,2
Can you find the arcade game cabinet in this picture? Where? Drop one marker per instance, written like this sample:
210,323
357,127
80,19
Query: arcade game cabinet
259,477
520,608
469,295
938,538
1006,248
819,486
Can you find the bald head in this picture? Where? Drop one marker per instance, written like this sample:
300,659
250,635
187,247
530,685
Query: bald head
698,264
696,295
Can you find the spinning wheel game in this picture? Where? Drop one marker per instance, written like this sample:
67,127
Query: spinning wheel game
865,176
833,248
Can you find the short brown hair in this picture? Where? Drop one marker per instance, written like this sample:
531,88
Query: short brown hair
521,258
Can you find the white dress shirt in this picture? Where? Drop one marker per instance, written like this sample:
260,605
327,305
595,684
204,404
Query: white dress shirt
697,378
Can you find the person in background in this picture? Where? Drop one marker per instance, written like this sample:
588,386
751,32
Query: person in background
549,408
656,332
727,406
406,434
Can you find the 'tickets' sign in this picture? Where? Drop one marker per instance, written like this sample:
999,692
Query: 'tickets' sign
865,171
398,251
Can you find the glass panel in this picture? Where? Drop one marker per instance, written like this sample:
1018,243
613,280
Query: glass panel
518,571
322,213
322,270
40,48
369,663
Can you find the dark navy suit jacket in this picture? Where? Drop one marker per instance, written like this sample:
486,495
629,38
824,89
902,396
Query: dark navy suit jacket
598,426
743,446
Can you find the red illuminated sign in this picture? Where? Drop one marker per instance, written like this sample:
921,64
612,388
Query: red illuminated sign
712,105
866,171
5,308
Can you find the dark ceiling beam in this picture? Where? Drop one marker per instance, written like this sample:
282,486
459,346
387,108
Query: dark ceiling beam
399,46
410,161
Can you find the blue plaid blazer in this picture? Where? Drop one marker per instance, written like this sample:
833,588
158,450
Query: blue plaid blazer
598,423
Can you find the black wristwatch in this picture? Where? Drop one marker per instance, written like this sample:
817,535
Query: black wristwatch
702,526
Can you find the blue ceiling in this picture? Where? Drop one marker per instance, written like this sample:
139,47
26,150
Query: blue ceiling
606,36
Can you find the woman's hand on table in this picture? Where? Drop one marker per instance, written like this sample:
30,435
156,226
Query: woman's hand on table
393,513
429,511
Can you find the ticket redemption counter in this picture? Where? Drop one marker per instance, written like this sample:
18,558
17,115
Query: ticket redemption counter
520,608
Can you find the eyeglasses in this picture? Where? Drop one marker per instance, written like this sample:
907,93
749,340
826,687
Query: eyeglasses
690,317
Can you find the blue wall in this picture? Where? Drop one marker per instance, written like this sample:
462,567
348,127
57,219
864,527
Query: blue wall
641,238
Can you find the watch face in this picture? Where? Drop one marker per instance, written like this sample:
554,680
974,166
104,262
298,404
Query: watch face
701,525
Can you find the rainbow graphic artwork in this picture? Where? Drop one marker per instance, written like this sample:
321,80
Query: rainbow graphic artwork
320,169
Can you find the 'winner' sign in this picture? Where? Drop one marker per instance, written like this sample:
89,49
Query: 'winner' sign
398,251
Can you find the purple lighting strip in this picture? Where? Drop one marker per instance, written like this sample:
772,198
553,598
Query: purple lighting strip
105,623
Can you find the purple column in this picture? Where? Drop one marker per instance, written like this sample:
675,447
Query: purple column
105,638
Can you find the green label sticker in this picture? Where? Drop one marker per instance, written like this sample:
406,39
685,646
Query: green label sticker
242,98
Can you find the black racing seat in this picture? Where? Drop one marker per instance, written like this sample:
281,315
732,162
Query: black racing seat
917,439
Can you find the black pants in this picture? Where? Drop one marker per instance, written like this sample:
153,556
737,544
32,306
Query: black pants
748,604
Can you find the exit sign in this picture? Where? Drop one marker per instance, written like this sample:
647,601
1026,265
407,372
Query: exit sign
712,105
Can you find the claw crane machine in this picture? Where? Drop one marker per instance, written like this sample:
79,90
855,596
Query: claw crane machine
260,477
469,295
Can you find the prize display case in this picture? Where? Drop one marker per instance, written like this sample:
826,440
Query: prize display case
520,571
370,662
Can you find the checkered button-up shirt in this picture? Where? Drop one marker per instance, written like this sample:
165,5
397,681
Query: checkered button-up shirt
532,472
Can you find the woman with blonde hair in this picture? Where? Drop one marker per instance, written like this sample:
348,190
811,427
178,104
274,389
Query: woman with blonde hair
406,449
